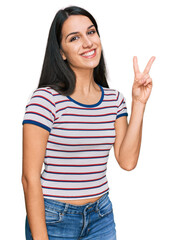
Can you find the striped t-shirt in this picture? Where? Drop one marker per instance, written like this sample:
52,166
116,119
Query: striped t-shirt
80,138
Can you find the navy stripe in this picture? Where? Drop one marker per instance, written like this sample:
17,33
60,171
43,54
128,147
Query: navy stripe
89,105
121,115
37,124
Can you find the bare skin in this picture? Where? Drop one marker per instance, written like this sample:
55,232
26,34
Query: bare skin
80,202
91,98
128,140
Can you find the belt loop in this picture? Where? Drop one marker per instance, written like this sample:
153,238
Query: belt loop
66,207
97,205
99,200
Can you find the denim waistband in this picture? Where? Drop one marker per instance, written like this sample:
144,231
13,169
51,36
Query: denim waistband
61,206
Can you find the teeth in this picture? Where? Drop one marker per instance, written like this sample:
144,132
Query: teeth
89,53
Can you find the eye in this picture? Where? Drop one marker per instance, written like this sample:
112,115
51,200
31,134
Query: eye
92,32
74,38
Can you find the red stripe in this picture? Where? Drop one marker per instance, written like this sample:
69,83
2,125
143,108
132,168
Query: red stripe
117,97
121,109
55,180
60,109
55,135
110,94
76,196
74,172
85,150
43,90
43,98
78,144
32,112
85,108
36,104
84,122
39,106
76,188
89,129
86,115
120,103
76,157
67,165
62,101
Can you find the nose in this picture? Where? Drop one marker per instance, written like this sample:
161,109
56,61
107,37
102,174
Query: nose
87,43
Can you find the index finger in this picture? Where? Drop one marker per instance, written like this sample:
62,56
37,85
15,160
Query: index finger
149,64
135,65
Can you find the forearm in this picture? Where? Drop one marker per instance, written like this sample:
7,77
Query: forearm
35,209
130,147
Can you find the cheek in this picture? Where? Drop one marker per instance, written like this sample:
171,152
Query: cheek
71,53
99,47
98,43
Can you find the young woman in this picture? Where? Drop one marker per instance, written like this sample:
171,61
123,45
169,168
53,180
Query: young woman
71,122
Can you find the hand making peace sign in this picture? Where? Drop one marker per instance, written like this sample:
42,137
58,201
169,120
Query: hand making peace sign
142,85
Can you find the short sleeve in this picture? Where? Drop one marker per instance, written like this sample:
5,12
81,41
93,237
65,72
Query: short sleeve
40,110
121,105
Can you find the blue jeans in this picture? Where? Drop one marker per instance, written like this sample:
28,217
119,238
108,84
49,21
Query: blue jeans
75,222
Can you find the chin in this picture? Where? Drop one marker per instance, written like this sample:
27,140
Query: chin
92,64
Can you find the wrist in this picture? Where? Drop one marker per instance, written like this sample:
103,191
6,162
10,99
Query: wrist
44,237
138,108
138,104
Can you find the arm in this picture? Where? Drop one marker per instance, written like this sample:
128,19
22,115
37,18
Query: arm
128,137
34,145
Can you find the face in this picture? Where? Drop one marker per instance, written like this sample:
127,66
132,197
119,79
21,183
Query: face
80,44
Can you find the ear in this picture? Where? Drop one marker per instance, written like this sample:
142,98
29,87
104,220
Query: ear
62,54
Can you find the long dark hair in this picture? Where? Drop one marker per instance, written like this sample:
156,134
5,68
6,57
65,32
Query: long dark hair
56,73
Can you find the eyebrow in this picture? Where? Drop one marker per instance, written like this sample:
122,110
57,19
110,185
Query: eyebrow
78,32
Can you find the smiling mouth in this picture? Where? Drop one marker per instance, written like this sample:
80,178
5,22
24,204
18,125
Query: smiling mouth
89,54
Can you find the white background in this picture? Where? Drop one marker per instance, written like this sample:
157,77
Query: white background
143,199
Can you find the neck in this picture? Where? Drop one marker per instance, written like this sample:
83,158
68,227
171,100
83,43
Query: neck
84,81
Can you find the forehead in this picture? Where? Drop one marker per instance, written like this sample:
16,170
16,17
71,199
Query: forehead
76,23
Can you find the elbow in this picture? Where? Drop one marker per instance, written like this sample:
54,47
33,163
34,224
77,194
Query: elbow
24,181
29,180
128,167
